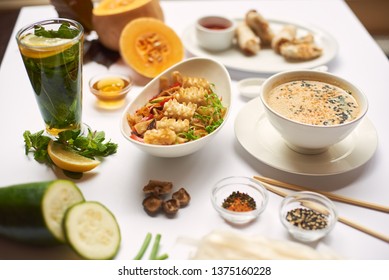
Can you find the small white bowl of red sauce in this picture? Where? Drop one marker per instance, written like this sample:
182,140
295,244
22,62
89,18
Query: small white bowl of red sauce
215,33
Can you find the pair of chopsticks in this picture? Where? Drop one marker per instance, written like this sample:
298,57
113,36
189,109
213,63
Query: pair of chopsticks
271,184
332,196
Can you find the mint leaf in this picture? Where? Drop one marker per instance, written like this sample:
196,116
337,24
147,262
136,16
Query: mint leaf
92,145
64,32
37,144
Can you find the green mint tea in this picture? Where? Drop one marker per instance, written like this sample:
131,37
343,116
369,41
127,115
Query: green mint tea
53,60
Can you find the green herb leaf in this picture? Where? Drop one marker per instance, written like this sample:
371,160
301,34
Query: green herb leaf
41,31
64,31
92,145
37,144
214,125
190,135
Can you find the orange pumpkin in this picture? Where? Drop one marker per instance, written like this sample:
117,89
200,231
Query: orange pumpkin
149,46
111,16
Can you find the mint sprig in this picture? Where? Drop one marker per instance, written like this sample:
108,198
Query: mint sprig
64,32
91,145
37,143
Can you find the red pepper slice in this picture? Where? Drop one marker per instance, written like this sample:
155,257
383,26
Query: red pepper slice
149,117
164,101
176,84
136,138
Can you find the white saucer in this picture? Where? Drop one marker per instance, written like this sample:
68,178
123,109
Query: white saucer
258,137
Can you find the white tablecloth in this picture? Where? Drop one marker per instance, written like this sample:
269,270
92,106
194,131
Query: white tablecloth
118,181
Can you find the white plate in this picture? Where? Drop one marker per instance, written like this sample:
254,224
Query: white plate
266,61
258,137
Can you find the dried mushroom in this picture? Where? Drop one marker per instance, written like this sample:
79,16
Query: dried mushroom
182,196
152,204
171,206
158,187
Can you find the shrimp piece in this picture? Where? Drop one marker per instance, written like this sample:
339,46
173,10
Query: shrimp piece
163,136
173,109
186,81
176,125
191,95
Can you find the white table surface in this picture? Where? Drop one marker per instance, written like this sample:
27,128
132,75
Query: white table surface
118,181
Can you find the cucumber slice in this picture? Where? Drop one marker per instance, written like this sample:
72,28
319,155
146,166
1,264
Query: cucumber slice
58,198
33,212
92,231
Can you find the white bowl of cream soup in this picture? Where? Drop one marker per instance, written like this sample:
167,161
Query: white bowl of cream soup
312,110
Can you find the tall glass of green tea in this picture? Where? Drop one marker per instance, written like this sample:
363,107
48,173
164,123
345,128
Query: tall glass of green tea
52,54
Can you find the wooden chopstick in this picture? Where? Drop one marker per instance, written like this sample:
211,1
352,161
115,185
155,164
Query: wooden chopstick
332,196
343,220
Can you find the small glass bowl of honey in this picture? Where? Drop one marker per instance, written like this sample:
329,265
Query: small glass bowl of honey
110,89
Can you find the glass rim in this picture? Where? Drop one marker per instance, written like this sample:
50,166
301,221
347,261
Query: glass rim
50,21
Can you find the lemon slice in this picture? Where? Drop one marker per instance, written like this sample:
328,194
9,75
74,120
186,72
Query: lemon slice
69,160
41,47
32,40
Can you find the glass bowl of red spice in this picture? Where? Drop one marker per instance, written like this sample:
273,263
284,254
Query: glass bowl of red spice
308,216
238,199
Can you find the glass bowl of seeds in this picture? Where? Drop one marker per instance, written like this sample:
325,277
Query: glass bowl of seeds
239,200
308,216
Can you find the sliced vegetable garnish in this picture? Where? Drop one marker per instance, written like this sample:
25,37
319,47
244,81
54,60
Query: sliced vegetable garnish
92,231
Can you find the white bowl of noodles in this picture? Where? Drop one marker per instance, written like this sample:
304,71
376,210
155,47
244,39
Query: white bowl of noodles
169,124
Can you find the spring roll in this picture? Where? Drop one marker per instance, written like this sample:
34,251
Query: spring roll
260,26
248,42
303,51
286,35
307,39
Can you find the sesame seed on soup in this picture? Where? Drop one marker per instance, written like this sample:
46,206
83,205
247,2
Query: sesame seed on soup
313,102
